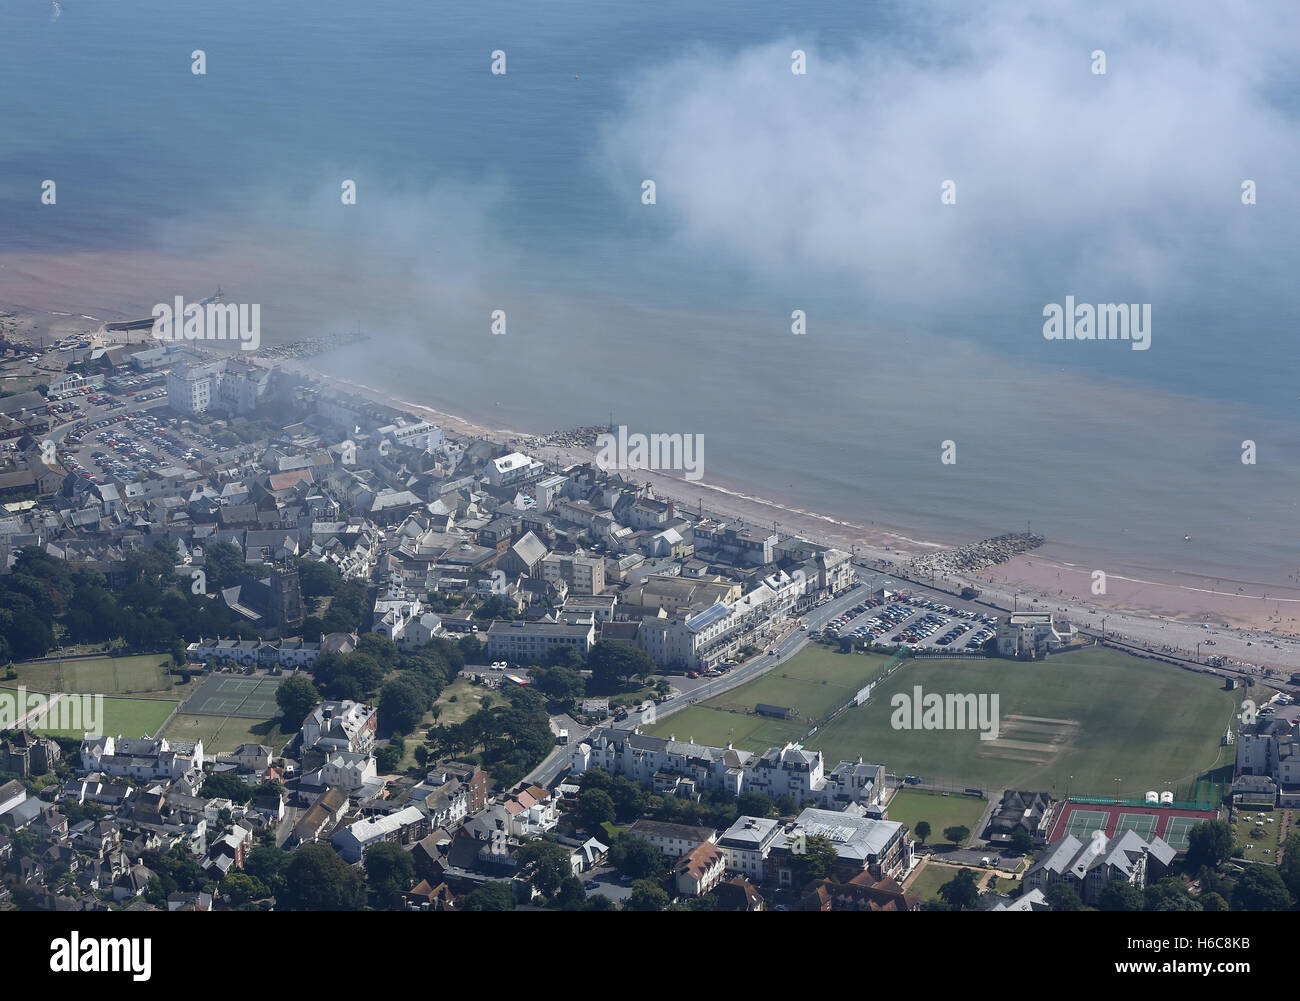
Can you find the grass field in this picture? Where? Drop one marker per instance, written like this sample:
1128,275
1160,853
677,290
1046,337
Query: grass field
225,733
224,695
128,717
910,806
816,682
1266,846
1096,715
141,675
469,699
926,881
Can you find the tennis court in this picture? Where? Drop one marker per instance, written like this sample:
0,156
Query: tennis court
1178,831
252,698
1141,824
1084,822
1170,823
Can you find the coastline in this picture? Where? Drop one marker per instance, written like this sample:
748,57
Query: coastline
1163,614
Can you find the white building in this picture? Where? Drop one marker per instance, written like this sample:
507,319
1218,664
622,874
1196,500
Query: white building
347,770
340,726
513,469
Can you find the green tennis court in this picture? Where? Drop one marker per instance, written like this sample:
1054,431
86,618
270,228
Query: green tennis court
1178,830
1084,822
1141,824
253,698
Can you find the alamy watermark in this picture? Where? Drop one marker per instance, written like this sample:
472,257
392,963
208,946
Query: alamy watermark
24,710
1103,322
682,453
952,711
212,321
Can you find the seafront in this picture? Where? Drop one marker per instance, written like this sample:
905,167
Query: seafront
1254,627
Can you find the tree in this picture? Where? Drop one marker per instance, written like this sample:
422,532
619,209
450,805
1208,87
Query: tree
636,857
564,655
614,664
961,892
595,807
552,864
296,696
1062,897
1209,843
956,834
1022,842
1289,869
1213,902
629,799
571,895
402,704
489,897
388,757
390,871
563,684
1260,888
754,804
647,895
815,861
317,578
224,564
1170,894
241,888
268,864
1121,896
922,830
318,880
225,785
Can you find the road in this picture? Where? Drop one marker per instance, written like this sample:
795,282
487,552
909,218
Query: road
786,647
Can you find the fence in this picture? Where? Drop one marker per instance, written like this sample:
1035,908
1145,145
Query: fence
1178,804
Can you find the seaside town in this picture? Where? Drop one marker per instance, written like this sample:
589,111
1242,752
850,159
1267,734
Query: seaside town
347,656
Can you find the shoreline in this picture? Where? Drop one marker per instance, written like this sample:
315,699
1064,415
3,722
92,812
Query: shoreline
1166,616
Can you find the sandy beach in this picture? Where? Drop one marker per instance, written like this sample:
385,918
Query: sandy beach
1251,625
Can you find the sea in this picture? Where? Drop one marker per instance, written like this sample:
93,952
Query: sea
518,201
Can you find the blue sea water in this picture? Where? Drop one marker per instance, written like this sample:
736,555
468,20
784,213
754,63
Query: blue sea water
479,192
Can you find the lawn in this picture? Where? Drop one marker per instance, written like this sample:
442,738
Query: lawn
469,699
814,683
926,880
910,806
1266,846
139,675
1096,715
221,733
127,717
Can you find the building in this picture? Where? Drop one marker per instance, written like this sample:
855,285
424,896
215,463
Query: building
880,847
347,770
1088,868
145,759
513,470
583,574
684,767
747,843
699,870
863,892
528,642
1032,635
674,840
405,827
340,726
28,755
1030,812
1270,747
